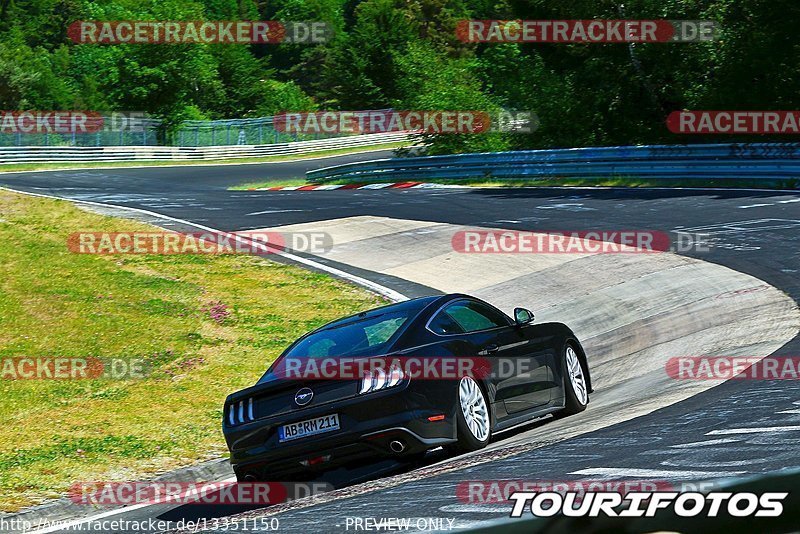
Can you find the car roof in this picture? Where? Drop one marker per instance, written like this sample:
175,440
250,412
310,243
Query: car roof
420,303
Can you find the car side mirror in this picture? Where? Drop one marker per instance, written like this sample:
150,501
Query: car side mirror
523,316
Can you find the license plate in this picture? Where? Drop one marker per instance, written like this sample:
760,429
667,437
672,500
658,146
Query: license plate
310,427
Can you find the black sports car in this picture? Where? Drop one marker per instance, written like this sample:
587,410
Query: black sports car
507,372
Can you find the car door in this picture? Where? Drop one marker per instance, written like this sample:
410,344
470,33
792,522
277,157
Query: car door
519,375
525,373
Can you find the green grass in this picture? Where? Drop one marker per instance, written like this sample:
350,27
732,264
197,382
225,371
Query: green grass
288,182
56,303
561,182
16,167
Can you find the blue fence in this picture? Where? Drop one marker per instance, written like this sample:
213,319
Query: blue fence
146,133
151,132
256,131
237,132
718,161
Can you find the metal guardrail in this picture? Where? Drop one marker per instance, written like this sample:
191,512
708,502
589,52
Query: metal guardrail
40,154
756,160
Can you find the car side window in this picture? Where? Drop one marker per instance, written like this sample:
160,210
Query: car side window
467,316
443,324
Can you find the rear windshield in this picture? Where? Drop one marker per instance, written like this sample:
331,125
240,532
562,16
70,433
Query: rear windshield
359,336
356,338
366,336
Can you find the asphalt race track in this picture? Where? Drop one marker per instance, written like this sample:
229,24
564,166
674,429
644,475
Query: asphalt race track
736,428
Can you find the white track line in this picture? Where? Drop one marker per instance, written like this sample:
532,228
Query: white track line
268,211
368,284
376,186
666,474
704,443
757,430
329,187
500,508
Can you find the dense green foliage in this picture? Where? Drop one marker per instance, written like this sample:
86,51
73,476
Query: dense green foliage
404,54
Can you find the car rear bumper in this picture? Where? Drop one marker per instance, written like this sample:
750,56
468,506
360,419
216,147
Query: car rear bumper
376,425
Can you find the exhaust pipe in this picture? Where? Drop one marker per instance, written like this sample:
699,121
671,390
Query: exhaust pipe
397,446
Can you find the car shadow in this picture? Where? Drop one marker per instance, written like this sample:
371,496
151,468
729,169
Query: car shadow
336,479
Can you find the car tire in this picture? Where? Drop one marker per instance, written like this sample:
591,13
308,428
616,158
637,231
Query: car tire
576,389
473,420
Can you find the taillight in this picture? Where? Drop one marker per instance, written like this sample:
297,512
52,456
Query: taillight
380,379
240,412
